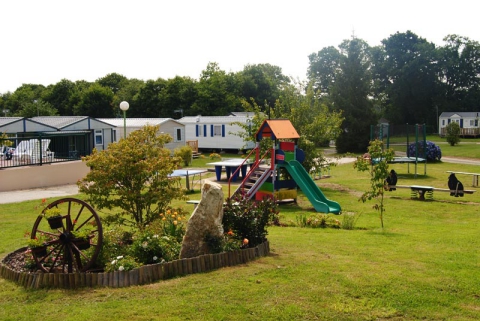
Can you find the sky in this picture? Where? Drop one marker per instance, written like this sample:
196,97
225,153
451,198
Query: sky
43,42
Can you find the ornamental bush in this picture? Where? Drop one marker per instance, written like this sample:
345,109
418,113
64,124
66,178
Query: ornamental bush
248,219
434,153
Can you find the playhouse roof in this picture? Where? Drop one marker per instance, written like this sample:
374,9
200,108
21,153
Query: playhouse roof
277,129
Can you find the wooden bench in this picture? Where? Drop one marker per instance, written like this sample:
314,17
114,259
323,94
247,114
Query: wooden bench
421,191
474,176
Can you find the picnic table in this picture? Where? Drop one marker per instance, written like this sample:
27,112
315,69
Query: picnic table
231,166
474,176
187,173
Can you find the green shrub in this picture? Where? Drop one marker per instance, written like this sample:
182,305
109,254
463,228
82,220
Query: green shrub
122,263
185,153
225,243
453,133
318,221
149,248
349,221
248,220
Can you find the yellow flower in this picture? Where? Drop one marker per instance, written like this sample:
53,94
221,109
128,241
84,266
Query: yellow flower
168,211
163,219
174,222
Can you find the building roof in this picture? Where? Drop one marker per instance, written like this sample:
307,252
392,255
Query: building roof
9,120
136,122
242,113
277,129
469,114
58,121
213,119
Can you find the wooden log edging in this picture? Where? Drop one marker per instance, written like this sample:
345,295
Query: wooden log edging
143,275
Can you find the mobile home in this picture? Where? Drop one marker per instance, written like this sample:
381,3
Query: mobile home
216,132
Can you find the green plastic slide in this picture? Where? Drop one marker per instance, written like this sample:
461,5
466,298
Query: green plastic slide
310,189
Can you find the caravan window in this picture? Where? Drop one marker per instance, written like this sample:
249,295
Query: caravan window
178,132
98,137
217,130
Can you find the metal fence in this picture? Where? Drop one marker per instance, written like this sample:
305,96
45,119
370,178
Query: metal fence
44,148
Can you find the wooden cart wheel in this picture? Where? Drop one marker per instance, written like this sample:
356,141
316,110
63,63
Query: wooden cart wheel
75,245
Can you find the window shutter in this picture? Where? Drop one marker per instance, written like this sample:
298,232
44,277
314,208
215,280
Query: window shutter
211,130
461,123
223,130
204,130
196,130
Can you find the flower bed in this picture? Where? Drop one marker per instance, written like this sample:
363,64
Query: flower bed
142,275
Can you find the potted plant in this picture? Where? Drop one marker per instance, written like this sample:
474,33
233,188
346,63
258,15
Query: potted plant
82,238
54,218
38,246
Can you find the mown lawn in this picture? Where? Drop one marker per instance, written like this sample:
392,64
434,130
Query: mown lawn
425,264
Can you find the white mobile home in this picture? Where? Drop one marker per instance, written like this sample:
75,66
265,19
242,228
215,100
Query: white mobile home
468,122
167,125
216,132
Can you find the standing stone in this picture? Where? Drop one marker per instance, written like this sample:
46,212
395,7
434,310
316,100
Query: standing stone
206,219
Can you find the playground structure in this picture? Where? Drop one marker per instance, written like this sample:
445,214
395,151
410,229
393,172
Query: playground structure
399,138
285,172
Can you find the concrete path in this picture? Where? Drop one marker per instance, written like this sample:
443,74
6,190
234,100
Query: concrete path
37,193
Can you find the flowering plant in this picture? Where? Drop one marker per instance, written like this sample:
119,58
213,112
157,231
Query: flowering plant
122,263
171,223
215,156
432,152
51,212
84,233
248,220
38,241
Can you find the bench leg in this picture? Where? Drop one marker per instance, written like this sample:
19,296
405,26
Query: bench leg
421,195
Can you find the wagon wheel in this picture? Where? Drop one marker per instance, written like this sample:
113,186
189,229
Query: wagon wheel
67,252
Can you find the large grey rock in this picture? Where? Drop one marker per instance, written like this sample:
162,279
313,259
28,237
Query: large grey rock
206,219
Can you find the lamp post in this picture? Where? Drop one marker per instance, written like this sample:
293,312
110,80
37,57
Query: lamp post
124,106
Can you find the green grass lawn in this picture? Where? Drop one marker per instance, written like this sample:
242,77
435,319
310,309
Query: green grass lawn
425,264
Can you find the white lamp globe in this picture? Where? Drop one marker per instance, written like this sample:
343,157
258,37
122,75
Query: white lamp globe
124,105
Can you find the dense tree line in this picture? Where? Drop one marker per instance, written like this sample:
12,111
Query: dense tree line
215,93
406,79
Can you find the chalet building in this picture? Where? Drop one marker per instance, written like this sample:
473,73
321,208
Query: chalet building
468,122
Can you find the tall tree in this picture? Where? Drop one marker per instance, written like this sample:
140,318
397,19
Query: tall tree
262,83
411,64
95,101
323,68
350,94
25,94
148,102
217,92
60,96
37,108
113,81
459,74
127,92
179,95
